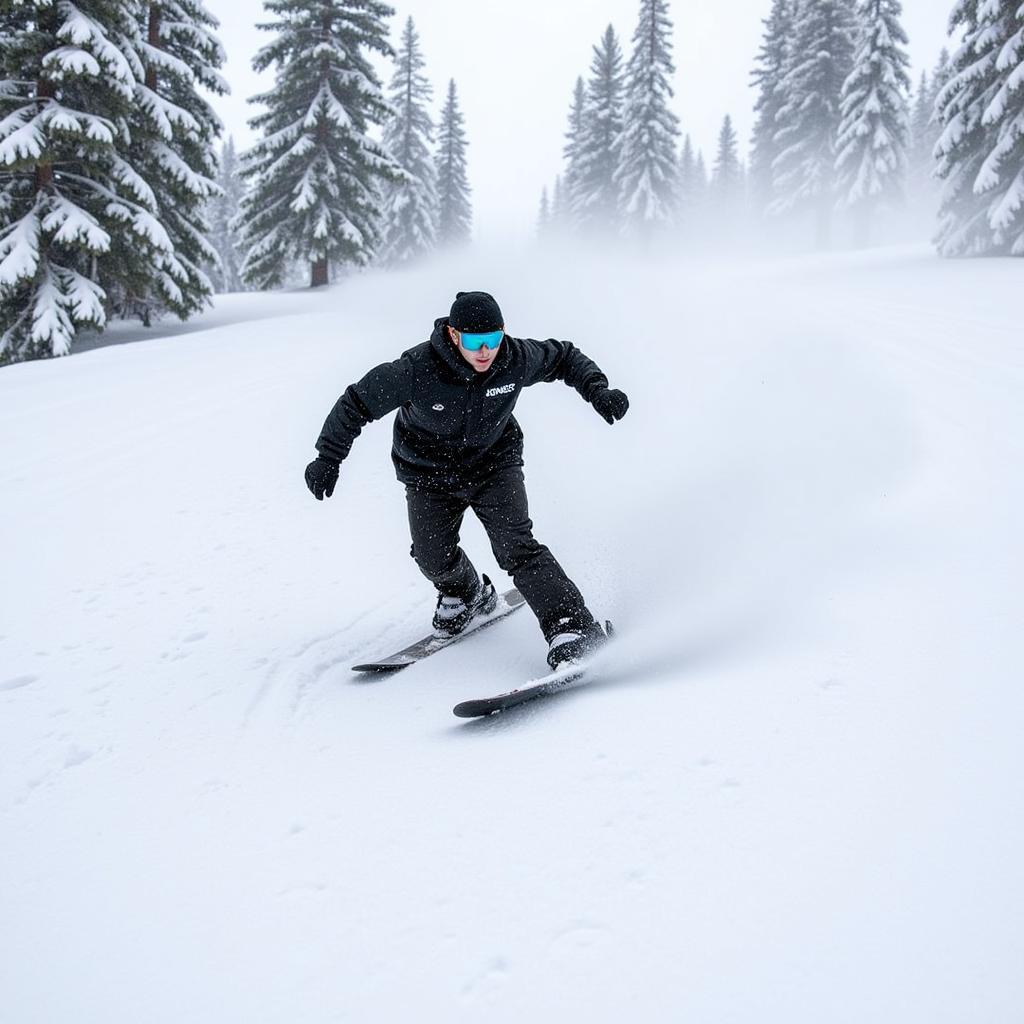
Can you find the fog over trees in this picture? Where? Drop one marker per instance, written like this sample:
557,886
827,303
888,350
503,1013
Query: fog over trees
120,199
844,149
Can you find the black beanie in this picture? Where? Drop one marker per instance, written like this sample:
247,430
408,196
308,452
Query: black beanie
475,313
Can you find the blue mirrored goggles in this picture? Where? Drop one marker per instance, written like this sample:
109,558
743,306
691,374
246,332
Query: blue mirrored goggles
475,342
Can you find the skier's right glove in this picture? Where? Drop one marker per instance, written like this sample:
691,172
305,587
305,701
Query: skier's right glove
321,476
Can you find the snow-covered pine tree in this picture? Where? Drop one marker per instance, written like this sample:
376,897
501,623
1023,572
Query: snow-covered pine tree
409,219
455,211
690,189
701,183
687,169
600,150
771,63
648,176
173,134
72,207
559,219
919,154
981,151
925,131
316,173
544,214
574,136
744,188
940,76
727,173
820,59
222,211
873,138
921,183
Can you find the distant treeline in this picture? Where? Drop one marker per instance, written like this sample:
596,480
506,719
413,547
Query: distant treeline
118,197
839,130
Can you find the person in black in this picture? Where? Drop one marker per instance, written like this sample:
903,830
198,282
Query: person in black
457,446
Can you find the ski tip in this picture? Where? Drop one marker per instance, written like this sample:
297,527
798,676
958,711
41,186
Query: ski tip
377,669
473,709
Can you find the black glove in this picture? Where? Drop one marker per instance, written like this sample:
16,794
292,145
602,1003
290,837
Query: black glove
321,476
612,405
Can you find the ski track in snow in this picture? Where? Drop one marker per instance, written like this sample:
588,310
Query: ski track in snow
788,792
17,682
307,665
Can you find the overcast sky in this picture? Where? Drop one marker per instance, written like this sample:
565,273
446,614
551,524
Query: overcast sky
515,63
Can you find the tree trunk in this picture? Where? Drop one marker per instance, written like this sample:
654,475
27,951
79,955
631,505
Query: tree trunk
154,41
319,275
45,89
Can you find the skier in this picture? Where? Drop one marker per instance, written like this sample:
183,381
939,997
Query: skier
457,446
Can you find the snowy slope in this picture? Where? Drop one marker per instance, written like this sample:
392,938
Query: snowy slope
794,793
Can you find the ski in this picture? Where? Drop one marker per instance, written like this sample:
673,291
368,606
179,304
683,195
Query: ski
508,603
554,682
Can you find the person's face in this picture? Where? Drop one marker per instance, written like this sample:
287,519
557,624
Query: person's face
482,358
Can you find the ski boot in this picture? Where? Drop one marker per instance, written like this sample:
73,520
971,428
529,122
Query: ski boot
453,614
572,642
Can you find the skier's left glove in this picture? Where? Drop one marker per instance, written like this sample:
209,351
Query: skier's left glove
612,405
321,476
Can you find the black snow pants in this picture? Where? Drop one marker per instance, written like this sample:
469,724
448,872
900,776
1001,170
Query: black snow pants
499,501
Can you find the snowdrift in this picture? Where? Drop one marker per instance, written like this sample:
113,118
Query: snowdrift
792,793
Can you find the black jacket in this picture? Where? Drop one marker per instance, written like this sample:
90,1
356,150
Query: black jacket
454,424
